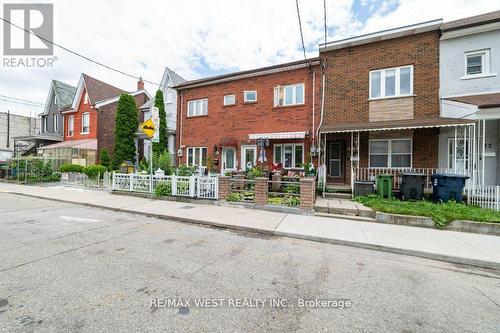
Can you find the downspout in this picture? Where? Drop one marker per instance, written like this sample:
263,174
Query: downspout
321,123
180,115
313,109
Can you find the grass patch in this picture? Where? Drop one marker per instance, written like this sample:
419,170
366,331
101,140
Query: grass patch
442,214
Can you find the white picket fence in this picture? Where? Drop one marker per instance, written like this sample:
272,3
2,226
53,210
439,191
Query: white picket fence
82,180
484,196
205,187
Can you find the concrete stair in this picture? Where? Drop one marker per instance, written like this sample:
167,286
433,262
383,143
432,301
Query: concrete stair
342,208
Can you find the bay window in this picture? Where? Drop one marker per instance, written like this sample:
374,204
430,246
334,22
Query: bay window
197,156
391,82
391,153
290,155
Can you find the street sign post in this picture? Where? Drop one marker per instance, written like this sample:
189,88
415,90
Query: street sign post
155,117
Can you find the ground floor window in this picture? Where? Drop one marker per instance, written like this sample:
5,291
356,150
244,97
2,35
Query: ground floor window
390,153
248,157
290,155
197,156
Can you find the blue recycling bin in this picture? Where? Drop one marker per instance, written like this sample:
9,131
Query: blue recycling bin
448,186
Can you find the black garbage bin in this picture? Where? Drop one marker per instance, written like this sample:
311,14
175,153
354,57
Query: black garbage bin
412,185
363,187
448,186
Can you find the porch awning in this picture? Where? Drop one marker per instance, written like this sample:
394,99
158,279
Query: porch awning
484,101
394,125
278,135
90,144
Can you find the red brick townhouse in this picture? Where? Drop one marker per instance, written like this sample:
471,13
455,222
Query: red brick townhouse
89,123
381,112
261,116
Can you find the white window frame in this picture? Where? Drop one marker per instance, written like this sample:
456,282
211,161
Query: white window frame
485,63
71,125
44,124
195,151
83,123
294,94
229,95
389,153
293,154
55,122
55,99
397,83
246,100
243,155
194,102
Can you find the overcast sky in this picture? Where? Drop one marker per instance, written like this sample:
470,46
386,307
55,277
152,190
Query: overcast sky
199,38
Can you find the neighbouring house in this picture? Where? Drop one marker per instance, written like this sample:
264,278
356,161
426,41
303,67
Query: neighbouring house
50,131
89,122
13,129
470,89
381,105
168,81
234,121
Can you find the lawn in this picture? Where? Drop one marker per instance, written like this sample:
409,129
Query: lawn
442,214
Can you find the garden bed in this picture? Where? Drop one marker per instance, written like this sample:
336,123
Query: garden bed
441,214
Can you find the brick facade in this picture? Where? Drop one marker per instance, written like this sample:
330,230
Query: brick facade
234,123
347,95
77,125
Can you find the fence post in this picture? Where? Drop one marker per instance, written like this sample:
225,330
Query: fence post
497,198
192,186
198,187
224,187
174,185
307,193
113,181
261,190
131,182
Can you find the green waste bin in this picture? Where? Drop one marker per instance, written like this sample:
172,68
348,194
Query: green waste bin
384,186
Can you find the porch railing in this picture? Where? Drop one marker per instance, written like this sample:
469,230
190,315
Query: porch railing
372,173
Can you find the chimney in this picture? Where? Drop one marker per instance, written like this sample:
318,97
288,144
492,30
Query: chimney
140,84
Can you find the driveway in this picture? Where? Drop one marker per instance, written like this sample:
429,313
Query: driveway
68,268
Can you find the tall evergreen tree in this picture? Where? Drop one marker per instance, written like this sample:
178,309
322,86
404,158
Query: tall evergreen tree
126,124
159,147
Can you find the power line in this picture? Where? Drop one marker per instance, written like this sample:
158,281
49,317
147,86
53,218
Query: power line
23,103
324,18
81,55
300,28
21,100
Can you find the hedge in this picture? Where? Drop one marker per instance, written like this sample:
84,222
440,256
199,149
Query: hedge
94,170
70,168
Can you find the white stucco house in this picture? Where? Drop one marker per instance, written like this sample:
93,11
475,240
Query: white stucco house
169,80
470,89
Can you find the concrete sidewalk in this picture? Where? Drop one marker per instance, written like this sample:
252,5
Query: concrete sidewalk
451,246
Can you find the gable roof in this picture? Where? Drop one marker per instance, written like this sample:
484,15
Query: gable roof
64,92
472,21
99,90
175,78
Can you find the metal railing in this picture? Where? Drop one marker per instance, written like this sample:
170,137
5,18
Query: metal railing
186,186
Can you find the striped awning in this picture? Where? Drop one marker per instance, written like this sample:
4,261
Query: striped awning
278,135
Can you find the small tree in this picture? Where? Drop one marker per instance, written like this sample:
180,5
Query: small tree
126,124
104,158
159,147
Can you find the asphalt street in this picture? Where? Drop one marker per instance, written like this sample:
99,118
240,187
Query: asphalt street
71,268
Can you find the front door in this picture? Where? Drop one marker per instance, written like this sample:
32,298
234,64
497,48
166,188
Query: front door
228,159
248,157
335,158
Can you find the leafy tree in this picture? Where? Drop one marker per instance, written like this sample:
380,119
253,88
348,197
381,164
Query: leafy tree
164,162
159,147
144,165
105,158
126,124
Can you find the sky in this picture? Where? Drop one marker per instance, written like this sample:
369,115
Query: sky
199,38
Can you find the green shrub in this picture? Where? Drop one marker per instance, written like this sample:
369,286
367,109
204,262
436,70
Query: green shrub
254,172
70,168
94,170
163,189
165,162
144,165
104,158
185,171
292,201
292,188
235,197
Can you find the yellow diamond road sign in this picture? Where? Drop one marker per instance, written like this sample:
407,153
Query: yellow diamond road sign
148,127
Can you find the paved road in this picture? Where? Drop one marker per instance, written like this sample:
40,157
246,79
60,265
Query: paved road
70,268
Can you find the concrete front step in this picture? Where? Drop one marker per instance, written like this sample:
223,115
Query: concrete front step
344,207
338,195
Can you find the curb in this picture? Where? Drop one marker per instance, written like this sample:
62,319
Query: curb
421,254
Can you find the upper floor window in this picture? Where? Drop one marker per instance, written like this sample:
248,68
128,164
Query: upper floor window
85,122
55,122
230,99
391,82
477,63
198,107
289,95
86,99
249,96
55,99
44,124
168,95
71,125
